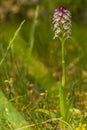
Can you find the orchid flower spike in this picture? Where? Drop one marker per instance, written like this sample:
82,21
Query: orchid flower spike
62,23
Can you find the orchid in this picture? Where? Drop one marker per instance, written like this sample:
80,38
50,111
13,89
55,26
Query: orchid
62,23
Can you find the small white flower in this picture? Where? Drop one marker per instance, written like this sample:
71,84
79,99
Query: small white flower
63,20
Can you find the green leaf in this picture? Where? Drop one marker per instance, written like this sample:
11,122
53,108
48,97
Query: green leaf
10,115
63,105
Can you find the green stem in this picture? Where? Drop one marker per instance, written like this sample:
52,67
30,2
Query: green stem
62,87
63,64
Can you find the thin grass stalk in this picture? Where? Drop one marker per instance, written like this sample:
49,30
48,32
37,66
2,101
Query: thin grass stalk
11,42
33,27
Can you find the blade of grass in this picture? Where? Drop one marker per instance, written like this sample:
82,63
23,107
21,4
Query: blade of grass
11,42
31,37
48,121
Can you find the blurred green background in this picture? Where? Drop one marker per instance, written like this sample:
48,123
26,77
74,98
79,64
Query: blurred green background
33,63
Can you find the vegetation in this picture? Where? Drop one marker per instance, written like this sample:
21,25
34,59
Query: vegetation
30,68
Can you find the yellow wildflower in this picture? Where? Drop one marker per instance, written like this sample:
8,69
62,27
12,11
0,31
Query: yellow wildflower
82,127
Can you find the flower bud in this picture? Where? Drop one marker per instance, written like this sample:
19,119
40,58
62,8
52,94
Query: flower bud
62,23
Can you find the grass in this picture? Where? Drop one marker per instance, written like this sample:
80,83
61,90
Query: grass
29,77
